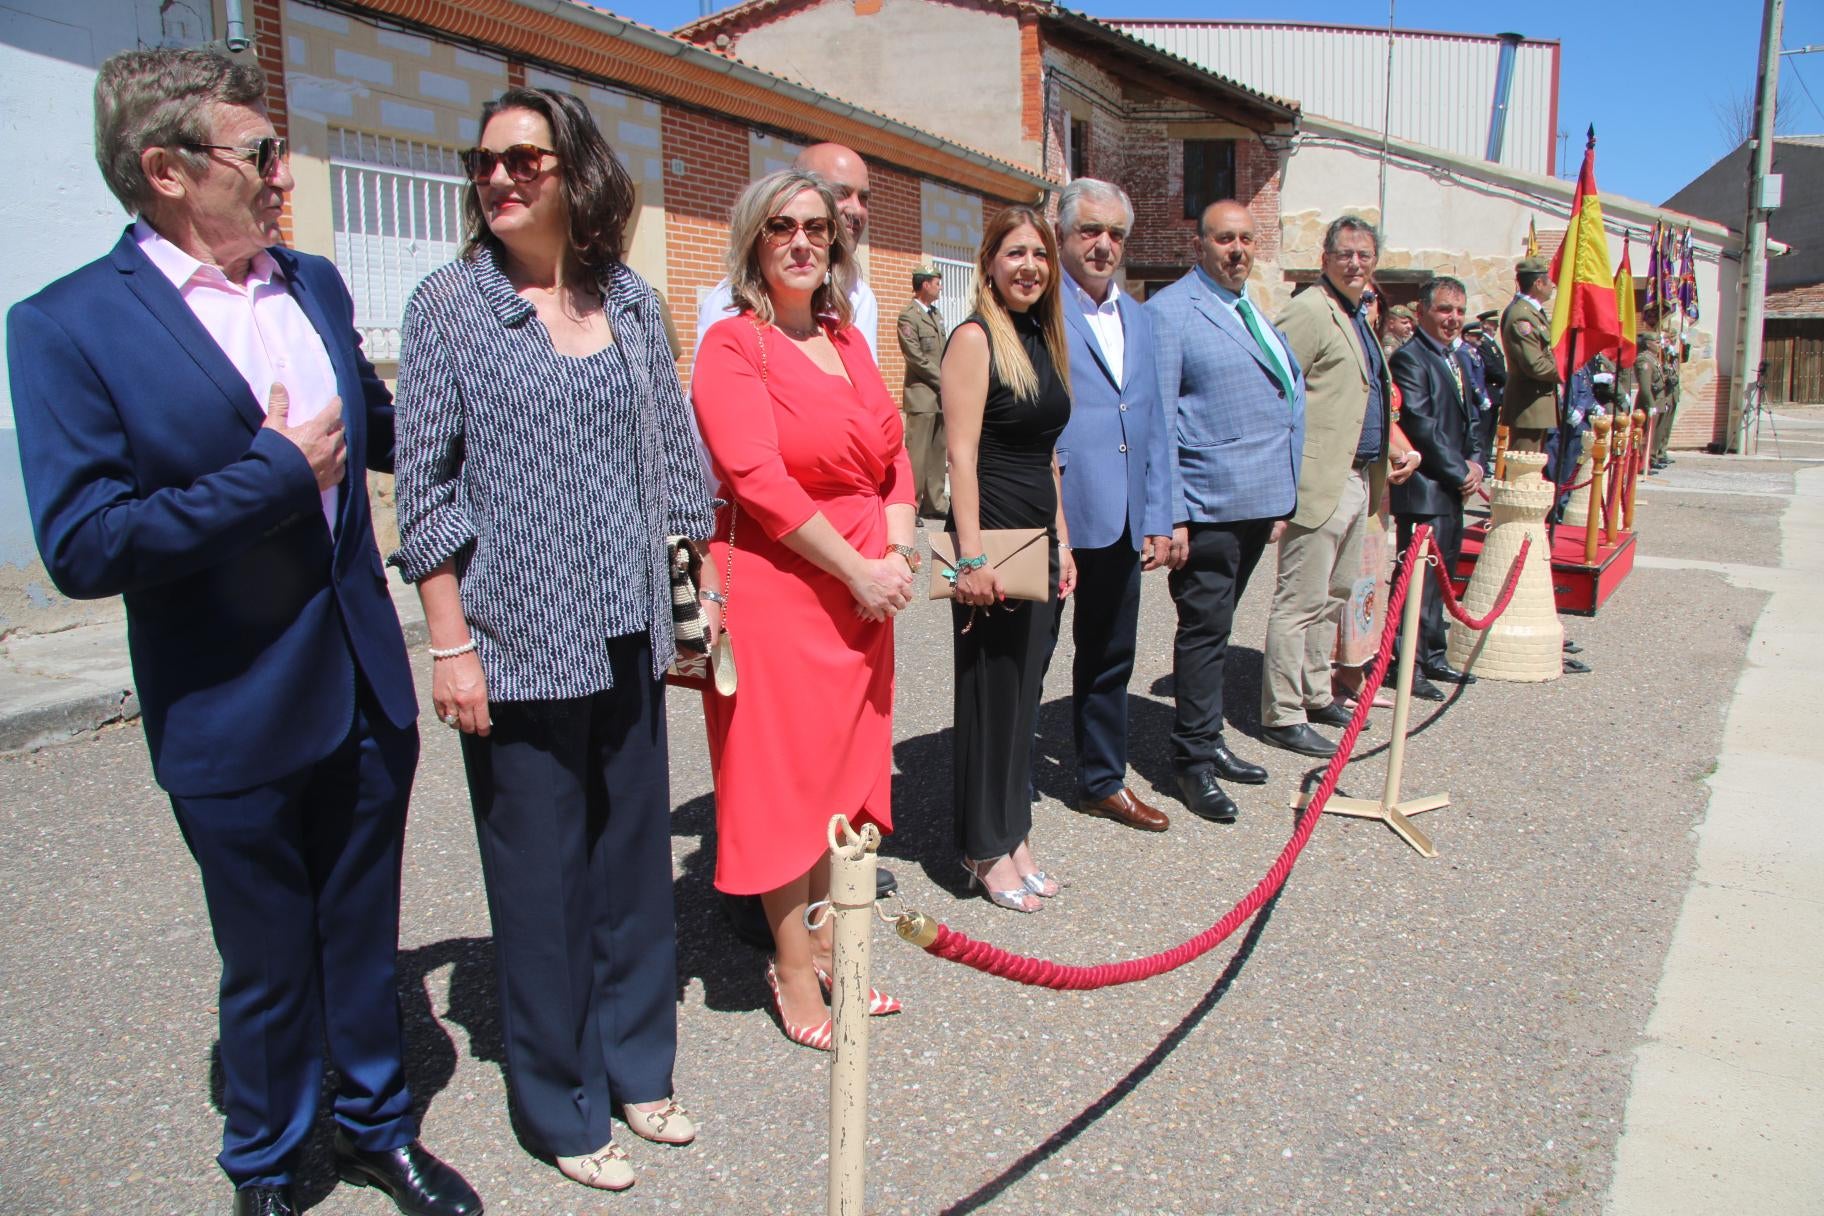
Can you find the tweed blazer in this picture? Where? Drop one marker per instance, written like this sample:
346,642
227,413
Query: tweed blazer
1337,375
1238,437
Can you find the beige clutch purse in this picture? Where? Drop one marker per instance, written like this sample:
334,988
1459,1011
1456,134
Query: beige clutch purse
1021,556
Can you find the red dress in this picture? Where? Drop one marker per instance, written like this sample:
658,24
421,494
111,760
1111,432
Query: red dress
809,731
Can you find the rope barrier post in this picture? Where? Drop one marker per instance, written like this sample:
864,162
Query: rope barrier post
1639,467
1619,457
1389,809
1501,452
1599,454
852,866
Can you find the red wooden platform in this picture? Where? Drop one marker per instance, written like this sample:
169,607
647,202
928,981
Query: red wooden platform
1578,588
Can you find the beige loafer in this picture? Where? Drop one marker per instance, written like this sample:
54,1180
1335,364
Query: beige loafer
606,1169
667,1124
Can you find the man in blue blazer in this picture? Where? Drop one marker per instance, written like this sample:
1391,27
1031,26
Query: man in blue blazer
1115,473
1234,401
188,408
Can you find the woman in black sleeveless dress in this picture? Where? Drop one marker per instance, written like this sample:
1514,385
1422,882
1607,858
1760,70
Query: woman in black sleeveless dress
1006,398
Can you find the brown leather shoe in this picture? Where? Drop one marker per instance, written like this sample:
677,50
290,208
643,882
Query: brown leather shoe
1126,807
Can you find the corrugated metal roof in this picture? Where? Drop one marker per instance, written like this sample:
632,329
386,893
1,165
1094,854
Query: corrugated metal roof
1443,84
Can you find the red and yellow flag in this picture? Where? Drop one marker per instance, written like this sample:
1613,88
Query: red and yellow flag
1585,321
1624,301
1532,237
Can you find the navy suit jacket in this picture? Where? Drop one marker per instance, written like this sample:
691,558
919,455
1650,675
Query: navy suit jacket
1239,437
1115,455
150,475
1439,424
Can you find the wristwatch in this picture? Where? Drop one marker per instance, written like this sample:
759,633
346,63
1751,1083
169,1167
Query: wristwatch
913,560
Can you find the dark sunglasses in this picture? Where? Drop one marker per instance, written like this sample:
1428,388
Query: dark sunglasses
523,161
267,152
780,229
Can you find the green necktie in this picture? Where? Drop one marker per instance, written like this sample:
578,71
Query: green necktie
1260,339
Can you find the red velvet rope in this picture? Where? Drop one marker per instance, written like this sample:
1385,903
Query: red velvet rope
1479,623
1043,973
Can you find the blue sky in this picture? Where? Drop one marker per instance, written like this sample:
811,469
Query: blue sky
1650,86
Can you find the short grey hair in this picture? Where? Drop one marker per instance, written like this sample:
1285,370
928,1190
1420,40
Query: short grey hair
1350,223
162,99
1441,285
759,202
1093,190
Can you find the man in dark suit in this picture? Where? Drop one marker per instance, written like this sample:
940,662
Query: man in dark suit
1494,375
188,409
1115,474
1234,398
1439,422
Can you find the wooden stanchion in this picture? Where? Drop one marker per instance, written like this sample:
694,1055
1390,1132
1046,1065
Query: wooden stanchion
1599,455
1501,453
1390,810
1618,473
852,866
1643,452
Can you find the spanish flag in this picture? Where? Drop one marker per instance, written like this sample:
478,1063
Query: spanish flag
1585,321
1624,301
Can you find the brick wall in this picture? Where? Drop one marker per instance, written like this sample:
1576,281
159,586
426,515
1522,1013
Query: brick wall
714,156
895,248
269,50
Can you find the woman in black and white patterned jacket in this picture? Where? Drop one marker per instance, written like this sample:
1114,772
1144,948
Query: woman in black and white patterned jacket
545,451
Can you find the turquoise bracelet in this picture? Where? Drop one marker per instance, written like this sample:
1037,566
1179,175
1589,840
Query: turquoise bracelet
965,563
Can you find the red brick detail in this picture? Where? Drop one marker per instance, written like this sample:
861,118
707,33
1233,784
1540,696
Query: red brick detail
698,201
896,247
516,73
867,8
1032,80
268,37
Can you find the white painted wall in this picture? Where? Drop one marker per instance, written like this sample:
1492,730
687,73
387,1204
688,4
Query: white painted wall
49,50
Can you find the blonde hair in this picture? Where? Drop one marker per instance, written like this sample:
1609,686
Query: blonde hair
759,203
1009,357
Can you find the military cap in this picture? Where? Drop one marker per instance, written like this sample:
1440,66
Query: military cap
923,275
1400,310
1489,317
1533,266
1473,327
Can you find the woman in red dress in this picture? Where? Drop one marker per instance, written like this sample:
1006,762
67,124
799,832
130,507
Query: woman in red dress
808,446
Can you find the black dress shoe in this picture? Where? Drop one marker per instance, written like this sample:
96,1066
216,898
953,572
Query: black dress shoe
1575,667
1425,690
265,1201
1332,714
1231,767
1571,647
1300,738
885,882
418,1183
1448,675
1197,786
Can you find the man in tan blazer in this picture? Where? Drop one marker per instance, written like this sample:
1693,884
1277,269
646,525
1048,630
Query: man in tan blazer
921,341
1529,402
1348,422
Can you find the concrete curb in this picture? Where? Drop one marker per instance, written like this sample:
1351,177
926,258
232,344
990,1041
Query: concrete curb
56,687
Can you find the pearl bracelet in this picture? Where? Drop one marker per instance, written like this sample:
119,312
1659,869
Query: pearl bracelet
452,651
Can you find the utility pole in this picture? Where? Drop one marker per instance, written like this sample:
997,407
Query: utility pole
1386,125
1761,200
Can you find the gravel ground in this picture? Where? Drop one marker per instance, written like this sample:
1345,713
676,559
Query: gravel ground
1392,1035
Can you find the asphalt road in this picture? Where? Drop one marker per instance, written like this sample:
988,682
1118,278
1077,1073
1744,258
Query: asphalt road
1392,1035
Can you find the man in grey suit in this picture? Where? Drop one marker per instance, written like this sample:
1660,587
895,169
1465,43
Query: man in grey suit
1234,400
1115,474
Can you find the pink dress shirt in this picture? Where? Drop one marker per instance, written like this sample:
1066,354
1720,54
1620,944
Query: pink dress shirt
259,326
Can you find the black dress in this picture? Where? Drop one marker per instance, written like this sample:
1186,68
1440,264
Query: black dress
1000,662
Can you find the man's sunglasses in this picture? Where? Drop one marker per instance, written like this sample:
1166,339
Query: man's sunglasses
267,152
523,161
780,229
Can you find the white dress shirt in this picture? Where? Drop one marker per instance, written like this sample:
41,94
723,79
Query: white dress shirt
259,326
865,310
1105,322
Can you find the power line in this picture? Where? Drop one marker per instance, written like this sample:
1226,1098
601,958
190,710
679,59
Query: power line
1800,77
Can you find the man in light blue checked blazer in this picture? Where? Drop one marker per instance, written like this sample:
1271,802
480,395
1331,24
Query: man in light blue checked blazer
1234,399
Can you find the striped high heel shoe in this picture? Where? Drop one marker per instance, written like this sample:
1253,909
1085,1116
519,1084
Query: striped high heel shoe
880,1005
817,1038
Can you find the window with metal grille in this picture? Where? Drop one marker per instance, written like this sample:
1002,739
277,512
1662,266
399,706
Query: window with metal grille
1079,148
396,213
957,298
1209,174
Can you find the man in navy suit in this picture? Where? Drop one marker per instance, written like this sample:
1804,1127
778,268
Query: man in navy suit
1439,421
1234,399
1115,474
188,409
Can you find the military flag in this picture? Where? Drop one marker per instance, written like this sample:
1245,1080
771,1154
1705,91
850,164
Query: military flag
1532,237
1585,321
1687,277
1624,301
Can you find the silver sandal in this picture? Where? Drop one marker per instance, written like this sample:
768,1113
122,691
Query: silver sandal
1013,900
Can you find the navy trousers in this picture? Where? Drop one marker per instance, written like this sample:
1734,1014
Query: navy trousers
1103,627
572,804
302,881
